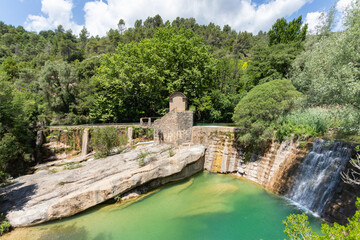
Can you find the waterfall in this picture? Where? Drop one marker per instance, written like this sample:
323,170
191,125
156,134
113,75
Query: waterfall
319,174
85,142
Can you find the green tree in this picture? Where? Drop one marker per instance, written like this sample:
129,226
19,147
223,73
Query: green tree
286,32
11,67
121,26
137,79
328,71
57,85
16,139
270,62
84,35
257,111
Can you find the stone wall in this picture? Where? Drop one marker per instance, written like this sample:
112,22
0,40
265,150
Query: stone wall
57,143
223,154
273,170
174,127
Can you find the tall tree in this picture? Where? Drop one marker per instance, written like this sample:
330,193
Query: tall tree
84,35
286,32
121,26
134,81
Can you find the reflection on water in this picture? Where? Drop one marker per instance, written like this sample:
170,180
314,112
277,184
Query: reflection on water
207,206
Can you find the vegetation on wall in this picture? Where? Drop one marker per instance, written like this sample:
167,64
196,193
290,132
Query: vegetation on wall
106,139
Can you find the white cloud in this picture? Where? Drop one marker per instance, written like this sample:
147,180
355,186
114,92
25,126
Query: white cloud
56,12
100,16
341,7
241,15
314,20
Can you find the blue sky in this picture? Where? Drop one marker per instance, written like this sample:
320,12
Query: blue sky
101,15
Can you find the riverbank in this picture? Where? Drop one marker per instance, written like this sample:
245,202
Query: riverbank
206,206
48,195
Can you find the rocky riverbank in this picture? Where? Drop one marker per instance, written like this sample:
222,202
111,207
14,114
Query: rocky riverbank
51,194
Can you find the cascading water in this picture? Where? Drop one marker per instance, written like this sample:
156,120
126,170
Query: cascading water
319,174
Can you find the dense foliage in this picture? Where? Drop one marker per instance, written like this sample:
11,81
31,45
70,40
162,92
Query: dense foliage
297,228
272,85
256,112
138,78
55,77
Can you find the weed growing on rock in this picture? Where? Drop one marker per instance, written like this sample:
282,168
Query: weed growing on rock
4,225
71,166
141,158
171,152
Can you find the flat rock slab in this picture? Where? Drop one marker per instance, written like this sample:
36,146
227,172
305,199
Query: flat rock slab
45,195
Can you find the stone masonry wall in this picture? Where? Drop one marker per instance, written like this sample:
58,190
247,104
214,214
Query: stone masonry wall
222,154
225,155
174,127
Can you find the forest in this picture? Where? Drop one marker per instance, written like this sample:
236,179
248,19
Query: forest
276,84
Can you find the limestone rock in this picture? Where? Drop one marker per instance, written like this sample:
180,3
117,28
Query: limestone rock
45,196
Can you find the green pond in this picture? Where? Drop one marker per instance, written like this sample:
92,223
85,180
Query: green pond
207,206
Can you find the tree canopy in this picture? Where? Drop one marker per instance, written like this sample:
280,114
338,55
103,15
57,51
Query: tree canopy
328,70
139,77
286,32
255,112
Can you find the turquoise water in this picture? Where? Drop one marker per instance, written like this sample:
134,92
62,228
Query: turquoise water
207,206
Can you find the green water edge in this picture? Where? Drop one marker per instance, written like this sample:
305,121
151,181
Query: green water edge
206,206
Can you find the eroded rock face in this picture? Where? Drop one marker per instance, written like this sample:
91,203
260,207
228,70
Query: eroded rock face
45,196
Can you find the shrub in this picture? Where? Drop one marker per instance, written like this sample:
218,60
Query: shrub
4,177
171,152
297,227
141,158
103,140
313,122
256,112
304,123
4,225
146,133
71,165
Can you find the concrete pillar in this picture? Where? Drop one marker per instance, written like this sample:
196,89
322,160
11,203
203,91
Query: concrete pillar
130,132
85,142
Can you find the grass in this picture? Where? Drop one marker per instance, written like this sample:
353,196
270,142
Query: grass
171,152
71,166
333,123
141,158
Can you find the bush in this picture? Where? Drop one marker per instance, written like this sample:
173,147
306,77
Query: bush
141,158
313,122
103,140
4,225
297,227
304,123
3,177
256,112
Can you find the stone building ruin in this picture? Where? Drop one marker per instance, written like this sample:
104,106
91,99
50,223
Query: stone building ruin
175,126
178,102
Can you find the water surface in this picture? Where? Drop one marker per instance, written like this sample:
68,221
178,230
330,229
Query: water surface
207,206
